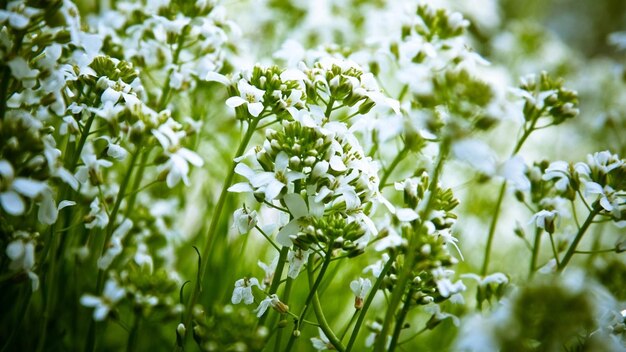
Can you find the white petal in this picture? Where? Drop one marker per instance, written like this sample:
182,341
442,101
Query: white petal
282,161
291,228
336,163
292,75
240,187
15,250
28,187
12,203
216,77
101,312
6,170
65,204
273,189
406,214
48,212
191,157
90,300
234,102
296,205
255,109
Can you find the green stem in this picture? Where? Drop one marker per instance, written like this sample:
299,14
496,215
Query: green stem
492,229
403,279
91,338
370,299
130,205
134,333
329,107
321,318
400,320
394,163
572,248
165,92
352,320
309,298
215,219
535,253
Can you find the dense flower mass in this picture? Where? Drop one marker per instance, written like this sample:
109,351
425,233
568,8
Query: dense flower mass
310,175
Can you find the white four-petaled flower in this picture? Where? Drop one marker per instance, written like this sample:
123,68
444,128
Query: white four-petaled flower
243,290
248,95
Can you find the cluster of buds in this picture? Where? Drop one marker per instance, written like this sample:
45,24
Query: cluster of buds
545,97
331,230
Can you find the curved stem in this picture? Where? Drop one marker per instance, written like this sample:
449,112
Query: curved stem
394,163
492,229
400,320
309,298
370,299
215,219
572,248
535,254
321,319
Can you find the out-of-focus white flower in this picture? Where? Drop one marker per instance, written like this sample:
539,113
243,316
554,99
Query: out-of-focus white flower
177,166
143,258
16,187
377,268
21,251
321,343
545,219
91,165
114,247
610,200
112,294
248,95
297,258
476,153
97,216
269,271
360,288
243,290
446,287
245,220
273,301
514,171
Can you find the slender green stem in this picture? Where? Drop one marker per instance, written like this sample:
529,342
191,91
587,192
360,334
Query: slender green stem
394,163
492,229
132,196
583,228
134,333
329,106
165,92
267,237
400,320
352,320
403,279
535,253
215,219
91,338
554,251
370,299
321,319
309,298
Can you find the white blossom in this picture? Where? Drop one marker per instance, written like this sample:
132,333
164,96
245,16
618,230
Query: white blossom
297,258
243,290
112,294
250,96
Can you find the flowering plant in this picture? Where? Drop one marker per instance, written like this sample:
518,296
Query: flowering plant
359,177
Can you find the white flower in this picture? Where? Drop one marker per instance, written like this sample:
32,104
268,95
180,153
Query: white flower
248,95
243,290
296,260
609,198
269,270
245,220
322,343
377,268
477,154
271,183
545,219
91,165
177,166
446,287
114,247
360,288
97,216
21,71
558,170
112,294
21,251
514,171
143,258
272,301
16,187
